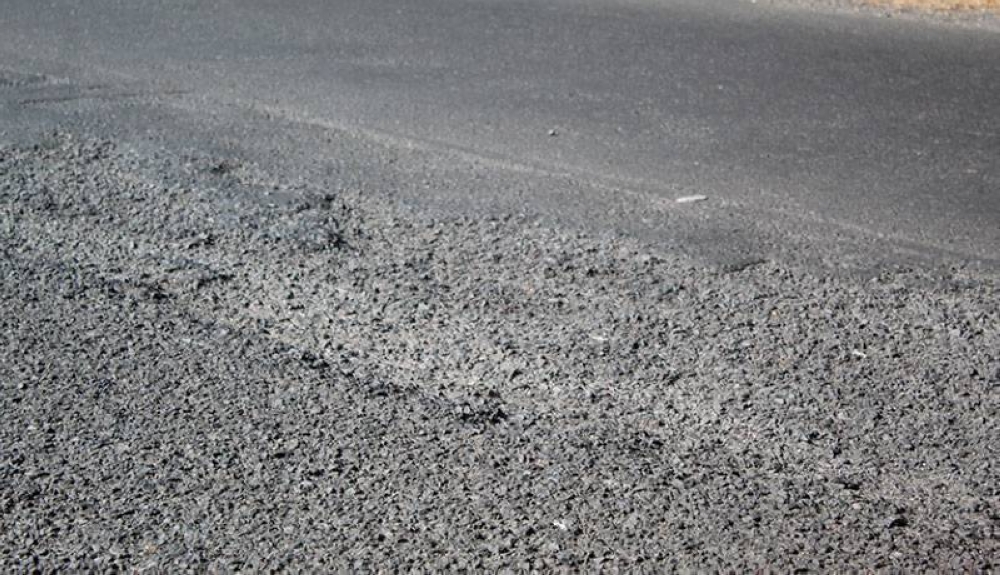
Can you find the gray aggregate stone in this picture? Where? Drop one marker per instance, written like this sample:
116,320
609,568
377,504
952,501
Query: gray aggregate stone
212,367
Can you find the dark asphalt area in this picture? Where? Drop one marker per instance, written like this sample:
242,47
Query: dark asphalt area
404,286
860,139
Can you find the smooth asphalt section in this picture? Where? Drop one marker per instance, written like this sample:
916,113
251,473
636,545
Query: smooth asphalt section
861,141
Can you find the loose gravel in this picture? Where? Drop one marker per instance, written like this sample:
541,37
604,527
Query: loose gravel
208,366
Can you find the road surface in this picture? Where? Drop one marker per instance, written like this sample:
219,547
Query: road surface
320,285
793,123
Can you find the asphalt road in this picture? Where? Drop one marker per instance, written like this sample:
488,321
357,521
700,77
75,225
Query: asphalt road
389,287
834,127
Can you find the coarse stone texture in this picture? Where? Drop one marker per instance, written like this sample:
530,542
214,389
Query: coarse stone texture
207,365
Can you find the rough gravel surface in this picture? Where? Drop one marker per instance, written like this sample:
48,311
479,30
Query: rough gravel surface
210,366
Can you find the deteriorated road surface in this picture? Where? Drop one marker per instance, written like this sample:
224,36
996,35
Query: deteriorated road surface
384,286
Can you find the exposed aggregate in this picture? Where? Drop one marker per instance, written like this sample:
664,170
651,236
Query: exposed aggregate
205,366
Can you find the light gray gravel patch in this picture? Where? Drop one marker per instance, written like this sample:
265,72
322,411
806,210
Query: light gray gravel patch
208,365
